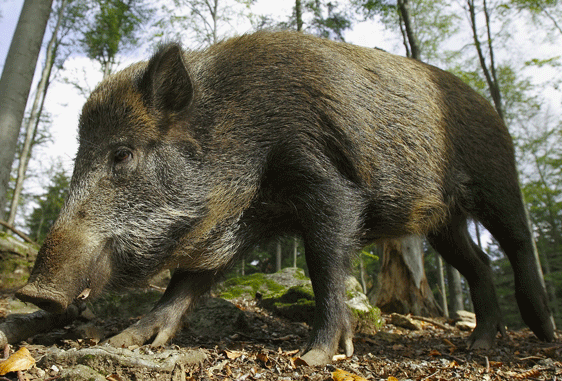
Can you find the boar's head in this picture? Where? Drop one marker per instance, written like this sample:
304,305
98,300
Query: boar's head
135,191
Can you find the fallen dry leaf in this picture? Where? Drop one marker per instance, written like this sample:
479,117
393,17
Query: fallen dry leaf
21,360
533,373
232,355
434,352
342,375
297,361
264,358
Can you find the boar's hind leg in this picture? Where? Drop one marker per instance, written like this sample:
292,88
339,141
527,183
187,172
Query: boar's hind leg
456,246
165,318
512,232
330,227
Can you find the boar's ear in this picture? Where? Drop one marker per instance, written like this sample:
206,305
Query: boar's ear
166,84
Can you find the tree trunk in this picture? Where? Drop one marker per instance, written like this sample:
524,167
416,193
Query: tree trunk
404,10
403,287
298,14
489,73
295,247
441,280
15,82
455,291
278,256
36,110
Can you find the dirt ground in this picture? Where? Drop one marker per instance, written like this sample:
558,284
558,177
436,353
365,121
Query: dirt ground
261,346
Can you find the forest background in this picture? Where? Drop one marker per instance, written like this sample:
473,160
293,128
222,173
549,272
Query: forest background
508,50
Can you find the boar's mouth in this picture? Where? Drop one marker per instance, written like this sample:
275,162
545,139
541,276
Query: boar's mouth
44,298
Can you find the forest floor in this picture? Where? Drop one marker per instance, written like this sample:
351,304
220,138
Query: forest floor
238,340
263,347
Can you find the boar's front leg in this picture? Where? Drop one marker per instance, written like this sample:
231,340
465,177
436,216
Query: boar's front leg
330,228
165,318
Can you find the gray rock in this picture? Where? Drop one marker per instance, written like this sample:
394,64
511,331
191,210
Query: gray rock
215,318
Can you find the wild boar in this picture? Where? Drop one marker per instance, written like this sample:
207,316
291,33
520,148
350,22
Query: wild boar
188,160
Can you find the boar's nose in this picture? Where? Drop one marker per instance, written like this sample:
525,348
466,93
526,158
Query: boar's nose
50,301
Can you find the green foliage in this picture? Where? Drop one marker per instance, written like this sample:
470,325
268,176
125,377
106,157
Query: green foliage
49,205
328,19
370,258
538,63
434,22
535,6
113,29
205,21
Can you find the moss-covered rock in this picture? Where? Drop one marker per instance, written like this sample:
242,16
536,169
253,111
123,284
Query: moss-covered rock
16,261
266,285
288,293
296,303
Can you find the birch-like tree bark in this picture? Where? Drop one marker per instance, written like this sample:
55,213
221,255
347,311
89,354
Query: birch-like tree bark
36,110
15,82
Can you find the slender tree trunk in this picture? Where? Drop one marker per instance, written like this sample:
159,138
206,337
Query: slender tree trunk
554,233
441,280
404,9
489,72
298,13
295,247
15,82
36,110
278,256
455,291
214,14
404,35
478,238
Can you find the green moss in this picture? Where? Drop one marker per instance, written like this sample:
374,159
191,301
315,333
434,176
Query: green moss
299,274
86,358
14,272
368,322
249,284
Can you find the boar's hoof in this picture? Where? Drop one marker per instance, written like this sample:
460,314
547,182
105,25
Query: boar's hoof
316,357
124,339
50,301
484,335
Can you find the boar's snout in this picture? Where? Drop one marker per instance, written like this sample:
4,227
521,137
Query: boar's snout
43,298
63,270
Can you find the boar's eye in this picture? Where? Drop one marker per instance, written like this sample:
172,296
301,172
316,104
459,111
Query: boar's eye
123,155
